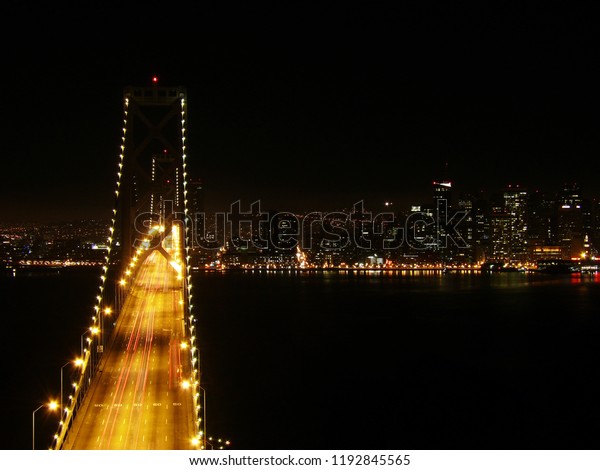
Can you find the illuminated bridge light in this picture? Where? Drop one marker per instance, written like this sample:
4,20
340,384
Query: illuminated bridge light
168,271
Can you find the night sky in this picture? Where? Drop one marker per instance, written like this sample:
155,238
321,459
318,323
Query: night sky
312,111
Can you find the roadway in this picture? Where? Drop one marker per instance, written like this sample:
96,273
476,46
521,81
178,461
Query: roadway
137,400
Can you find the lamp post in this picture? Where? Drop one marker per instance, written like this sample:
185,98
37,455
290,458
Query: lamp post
119,293
61,388
82,335
85,363
203,416
52,405
94,330
76,362
107,311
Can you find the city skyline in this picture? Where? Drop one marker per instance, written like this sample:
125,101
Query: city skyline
316,123
512,227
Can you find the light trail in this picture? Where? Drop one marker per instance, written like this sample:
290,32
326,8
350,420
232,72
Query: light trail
137,400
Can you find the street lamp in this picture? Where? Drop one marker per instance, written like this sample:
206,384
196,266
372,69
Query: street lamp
85,360
82,335
52,406
107,311
94,330
61,388
203,415
76,362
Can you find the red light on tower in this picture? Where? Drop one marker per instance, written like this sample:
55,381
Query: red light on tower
154,79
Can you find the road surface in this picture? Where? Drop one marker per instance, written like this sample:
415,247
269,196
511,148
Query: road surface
138,399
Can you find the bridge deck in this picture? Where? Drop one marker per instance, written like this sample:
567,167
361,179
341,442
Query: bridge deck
137,400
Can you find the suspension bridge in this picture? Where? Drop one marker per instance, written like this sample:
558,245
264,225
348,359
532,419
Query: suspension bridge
137,380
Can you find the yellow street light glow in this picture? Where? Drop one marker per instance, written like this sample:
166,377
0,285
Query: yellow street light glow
107,310
185,384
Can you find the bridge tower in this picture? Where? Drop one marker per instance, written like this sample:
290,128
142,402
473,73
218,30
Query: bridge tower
153,185
150,214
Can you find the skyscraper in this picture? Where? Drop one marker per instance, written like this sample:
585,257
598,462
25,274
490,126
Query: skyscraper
570,221
442,206
515,207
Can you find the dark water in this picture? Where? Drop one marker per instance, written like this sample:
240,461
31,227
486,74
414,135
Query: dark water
347,361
